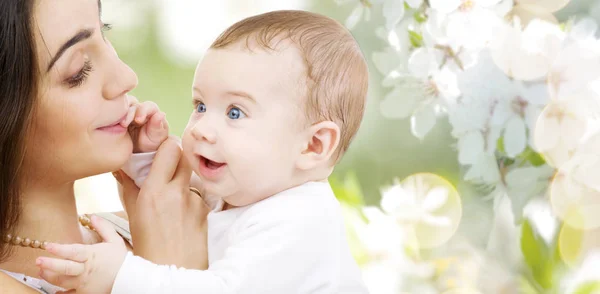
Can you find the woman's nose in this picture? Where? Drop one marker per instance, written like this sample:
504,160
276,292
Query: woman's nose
120,78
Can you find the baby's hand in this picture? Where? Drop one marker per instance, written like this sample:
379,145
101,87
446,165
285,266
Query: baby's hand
85,268
147,125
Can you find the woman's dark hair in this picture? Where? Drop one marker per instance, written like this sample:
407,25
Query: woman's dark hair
19,78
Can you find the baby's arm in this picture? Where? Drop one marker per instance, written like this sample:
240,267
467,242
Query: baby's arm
149,129
86,268
270,255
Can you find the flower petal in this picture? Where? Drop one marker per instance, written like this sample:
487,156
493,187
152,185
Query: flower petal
515,137
436,221
414,3
470,147
544,5
387,60
354,16
423,121
393,11
421,63
445,6
401,102
435,199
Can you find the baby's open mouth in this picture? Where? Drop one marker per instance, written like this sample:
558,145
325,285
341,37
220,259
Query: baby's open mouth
211,164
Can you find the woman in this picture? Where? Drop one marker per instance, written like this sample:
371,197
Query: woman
63,92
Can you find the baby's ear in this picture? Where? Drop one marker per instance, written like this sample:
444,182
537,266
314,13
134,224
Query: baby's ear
321,142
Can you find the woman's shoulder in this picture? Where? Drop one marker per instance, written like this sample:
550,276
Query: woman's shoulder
9,284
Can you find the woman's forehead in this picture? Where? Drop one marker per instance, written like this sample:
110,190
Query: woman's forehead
57,21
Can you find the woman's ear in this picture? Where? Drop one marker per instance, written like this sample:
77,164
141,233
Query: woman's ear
321,142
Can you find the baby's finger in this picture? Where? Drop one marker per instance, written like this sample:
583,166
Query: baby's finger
144,111
132,100
157,129
60,266
66,282
106,230
130,115
74,252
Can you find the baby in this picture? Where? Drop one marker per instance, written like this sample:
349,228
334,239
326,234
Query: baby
277,99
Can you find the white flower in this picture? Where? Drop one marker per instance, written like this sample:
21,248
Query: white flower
408,208
574,68
542,219
558,131
382,236
526,54
588,271
470,23
448,6
527,10
393,12
445,49
384,241
516,112
362,9
427,206
575,192
382,277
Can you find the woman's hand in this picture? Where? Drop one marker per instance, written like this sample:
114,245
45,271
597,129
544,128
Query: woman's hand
167,220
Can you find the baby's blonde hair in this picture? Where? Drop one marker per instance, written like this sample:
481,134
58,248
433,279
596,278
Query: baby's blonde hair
337,73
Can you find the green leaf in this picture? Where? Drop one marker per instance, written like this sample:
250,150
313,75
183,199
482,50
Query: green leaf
533,157
357,249
406,6
416,40
592,287
420,16
525,287
348,191
538,256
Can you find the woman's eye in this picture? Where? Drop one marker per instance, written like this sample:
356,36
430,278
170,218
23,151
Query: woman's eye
235,113
79,78
201,107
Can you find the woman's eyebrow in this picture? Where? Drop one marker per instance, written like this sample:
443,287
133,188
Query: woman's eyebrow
78,37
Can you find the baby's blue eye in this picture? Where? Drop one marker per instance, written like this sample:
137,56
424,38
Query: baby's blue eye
235,113
201,108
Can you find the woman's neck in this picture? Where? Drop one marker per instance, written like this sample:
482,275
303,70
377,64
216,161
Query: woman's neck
48,213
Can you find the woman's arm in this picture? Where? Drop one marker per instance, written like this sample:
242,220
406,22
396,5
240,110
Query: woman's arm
9,285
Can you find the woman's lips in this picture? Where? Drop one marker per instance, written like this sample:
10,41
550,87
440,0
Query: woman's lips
114,128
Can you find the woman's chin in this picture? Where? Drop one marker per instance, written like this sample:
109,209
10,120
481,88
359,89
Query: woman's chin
112,159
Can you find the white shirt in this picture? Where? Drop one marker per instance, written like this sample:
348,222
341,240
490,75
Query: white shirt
292,242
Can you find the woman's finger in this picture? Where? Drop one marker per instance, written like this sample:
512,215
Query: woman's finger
164,165
60,266
183,173
74,252
129,193
66,282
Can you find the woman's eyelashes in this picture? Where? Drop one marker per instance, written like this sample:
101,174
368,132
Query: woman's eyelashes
233,112
80,77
